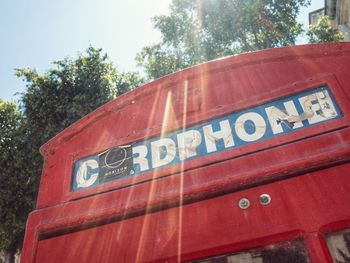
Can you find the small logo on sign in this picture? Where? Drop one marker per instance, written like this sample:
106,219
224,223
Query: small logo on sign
114,163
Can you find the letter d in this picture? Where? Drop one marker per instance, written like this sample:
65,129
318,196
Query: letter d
163,152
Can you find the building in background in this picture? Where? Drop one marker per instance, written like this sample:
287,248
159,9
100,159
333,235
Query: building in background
338,12
315,16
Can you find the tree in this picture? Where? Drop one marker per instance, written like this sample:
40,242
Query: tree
63,95
197,31
15,190
52,101
324,32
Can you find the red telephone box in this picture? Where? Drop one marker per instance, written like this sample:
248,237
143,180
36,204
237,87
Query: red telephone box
242,159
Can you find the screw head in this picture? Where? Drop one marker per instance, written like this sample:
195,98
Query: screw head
265,199
243,203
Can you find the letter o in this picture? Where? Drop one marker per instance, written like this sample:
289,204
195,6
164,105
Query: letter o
259,123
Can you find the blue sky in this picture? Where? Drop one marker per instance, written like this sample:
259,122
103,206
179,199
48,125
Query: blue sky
33,33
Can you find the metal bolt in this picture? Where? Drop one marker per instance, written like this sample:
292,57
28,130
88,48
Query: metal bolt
243,203
265,199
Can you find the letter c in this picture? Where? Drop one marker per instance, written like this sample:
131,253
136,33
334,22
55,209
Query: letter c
83,178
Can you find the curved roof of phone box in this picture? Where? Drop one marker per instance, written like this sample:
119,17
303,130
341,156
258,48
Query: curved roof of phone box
235,61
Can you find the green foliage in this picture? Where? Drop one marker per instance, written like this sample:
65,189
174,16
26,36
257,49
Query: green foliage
15,189
197,31
74,88
52,101
324,32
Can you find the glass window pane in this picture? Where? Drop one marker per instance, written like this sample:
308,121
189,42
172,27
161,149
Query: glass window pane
284,252
339,246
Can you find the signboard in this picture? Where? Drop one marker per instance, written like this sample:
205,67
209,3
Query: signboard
240,128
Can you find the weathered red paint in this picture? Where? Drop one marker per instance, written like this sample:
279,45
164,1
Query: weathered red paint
190,212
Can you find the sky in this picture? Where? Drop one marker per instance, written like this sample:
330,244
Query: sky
33,33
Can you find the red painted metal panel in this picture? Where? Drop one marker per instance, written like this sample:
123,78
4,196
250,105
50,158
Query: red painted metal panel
299,206
189,211
226,85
